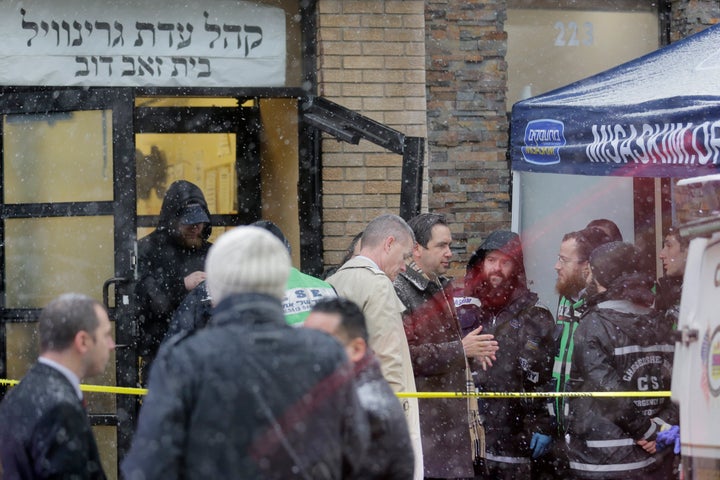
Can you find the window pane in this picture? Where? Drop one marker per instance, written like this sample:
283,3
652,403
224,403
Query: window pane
58,157
205,159
49,256
22,348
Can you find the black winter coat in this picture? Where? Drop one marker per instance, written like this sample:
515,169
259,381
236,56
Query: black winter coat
439,365
249,397
390,453
618,348
194,312
524,332
44,430
668,292
163,264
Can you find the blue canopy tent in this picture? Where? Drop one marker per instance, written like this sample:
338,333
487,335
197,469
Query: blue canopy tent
655,116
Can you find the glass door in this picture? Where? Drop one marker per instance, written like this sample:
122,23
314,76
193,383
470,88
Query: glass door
67,225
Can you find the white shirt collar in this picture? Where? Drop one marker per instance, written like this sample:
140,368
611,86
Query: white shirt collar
72,378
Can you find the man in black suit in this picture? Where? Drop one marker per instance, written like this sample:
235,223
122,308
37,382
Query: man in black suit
45,429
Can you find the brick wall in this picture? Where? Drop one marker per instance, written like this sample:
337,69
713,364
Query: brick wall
371,58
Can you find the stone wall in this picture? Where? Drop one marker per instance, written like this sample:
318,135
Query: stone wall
467,123
692,16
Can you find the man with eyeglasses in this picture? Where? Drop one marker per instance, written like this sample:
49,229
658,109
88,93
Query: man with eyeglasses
572,268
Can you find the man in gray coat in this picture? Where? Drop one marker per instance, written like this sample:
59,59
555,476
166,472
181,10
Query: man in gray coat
248,396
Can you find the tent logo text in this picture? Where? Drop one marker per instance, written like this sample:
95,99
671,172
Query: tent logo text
543,139
670,143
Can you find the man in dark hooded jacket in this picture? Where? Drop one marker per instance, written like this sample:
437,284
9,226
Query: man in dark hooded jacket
170,262
619,346
515,429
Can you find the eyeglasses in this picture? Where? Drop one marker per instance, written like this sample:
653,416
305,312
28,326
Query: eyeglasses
565,260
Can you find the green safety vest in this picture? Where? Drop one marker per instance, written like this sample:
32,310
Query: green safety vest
568,317
302,292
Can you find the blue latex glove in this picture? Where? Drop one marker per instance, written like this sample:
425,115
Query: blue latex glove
540,444
669,437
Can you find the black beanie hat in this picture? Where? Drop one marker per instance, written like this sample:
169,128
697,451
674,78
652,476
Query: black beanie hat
274,229
611,261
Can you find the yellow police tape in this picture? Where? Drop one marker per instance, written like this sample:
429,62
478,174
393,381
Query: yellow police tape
95,388
530,394
143,391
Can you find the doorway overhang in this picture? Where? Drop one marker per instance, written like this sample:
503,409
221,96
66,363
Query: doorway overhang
349,126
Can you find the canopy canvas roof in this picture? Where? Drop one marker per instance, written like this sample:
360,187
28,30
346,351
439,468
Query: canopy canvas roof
655,116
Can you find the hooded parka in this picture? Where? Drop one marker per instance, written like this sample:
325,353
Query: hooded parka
163,264
524,332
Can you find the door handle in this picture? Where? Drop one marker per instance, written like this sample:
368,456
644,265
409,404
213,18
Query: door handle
106,288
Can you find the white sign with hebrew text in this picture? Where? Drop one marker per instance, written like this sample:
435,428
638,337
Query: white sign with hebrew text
134,43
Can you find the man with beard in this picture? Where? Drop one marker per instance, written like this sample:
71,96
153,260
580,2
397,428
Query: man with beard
170,264
572,268
515,429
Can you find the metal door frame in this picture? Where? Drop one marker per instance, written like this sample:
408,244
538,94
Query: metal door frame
121,207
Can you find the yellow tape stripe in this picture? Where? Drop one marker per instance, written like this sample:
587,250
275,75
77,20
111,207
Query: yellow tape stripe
95,388
143,391
530,394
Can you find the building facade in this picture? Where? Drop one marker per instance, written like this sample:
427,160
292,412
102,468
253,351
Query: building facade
440,69
104,104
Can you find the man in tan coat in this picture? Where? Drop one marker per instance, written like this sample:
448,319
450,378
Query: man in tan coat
366,279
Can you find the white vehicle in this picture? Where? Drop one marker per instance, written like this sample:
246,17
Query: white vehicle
696,370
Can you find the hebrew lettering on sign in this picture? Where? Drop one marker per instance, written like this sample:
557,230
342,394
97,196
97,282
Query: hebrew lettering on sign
107,41
150,66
